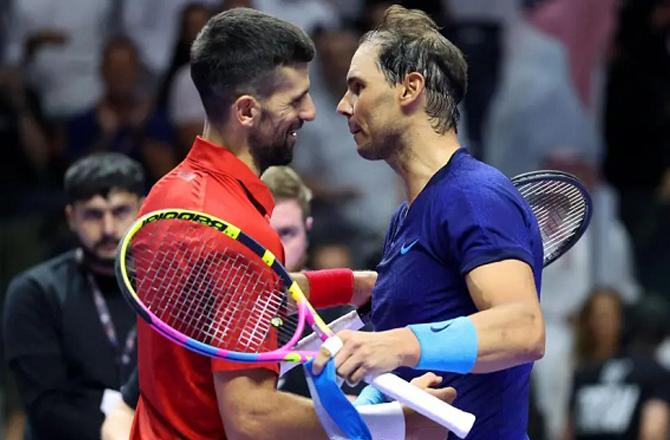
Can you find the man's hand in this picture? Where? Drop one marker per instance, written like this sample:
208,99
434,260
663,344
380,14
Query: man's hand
371,353
118,423
418,426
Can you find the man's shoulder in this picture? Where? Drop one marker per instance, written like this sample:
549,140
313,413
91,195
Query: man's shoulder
188,188
47,278
49,268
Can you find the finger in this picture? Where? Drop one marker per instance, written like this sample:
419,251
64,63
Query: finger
447,394
320,361
357,376
347,368
427,380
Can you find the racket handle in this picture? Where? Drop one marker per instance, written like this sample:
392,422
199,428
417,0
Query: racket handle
457,421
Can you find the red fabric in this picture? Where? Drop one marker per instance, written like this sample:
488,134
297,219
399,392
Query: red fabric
177,388
330,287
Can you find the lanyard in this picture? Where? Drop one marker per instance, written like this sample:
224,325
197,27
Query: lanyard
106,320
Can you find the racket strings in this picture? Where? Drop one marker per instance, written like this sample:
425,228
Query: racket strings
212,293
559,207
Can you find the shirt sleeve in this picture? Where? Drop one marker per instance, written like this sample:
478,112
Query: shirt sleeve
57,408
485,225
220,365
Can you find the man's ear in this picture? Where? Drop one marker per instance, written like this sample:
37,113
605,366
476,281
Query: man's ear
69,215
309,221
412,88
246,110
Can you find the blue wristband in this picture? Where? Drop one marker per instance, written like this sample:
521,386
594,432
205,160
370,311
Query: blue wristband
370,396
447,346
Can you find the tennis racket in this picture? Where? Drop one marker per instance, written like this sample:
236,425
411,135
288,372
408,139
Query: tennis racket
210,287
562,206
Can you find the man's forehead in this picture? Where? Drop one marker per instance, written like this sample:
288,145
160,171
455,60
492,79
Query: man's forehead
296,75
114,198
363,60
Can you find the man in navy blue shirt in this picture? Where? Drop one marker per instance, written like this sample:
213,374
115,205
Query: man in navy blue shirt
458,286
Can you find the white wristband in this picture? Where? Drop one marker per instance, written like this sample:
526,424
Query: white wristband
386,421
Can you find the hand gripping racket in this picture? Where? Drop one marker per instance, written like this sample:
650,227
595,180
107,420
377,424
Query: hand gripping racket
208,286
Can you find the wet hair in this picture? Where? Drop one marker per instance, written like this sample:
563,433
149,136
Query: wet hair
286,184
410,41
101,173
238,51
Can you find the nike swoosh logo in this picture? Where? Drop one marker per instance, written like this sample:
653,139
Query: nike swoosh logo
405,248
436,328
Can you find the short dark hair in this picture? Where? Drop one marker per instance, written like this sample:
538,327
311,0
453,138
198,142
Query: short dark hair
101,173
410,41
286,184
237,53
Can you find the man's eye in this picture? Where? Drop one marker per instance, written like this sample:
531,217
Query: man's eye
287,233
122,211
90,214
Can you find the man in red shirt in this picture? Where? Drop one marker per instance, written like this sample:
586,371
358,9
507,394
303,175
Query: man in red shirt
251,72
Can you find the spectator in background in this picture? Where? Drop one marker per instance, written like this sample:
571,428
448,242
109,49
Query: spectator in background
306,14
124,119
69,336
291,216
192,18
154,26
620,392
57,44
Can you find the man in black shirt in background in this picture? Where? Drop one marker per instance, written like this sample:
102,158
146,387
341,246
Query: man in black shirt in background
625,395
69,335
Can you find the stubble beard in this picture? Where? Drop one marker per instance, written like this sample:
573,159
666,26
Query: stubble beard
382,147
268,151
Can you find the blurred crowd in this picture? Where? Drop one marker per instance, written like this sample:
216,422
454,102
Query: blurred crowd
577,85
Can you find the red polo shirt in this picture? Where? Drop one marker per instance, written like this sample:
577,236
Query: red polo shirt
177,397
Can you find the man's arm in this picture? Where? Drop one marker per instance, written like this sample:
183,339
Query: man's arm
509,324
654,420
251,408
507,331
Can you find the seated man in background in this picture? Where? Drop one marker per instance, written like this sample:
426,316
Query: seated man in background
69,335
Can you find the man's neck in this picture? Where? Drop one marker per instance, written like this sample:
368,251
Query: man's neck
422,154
233,142
94,265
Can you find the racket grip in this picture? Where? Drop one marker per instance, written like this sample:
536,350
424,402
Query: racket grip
457,421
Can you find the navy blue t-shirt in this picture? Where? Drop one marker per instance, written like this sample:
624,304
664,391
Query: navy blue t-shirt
469,214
